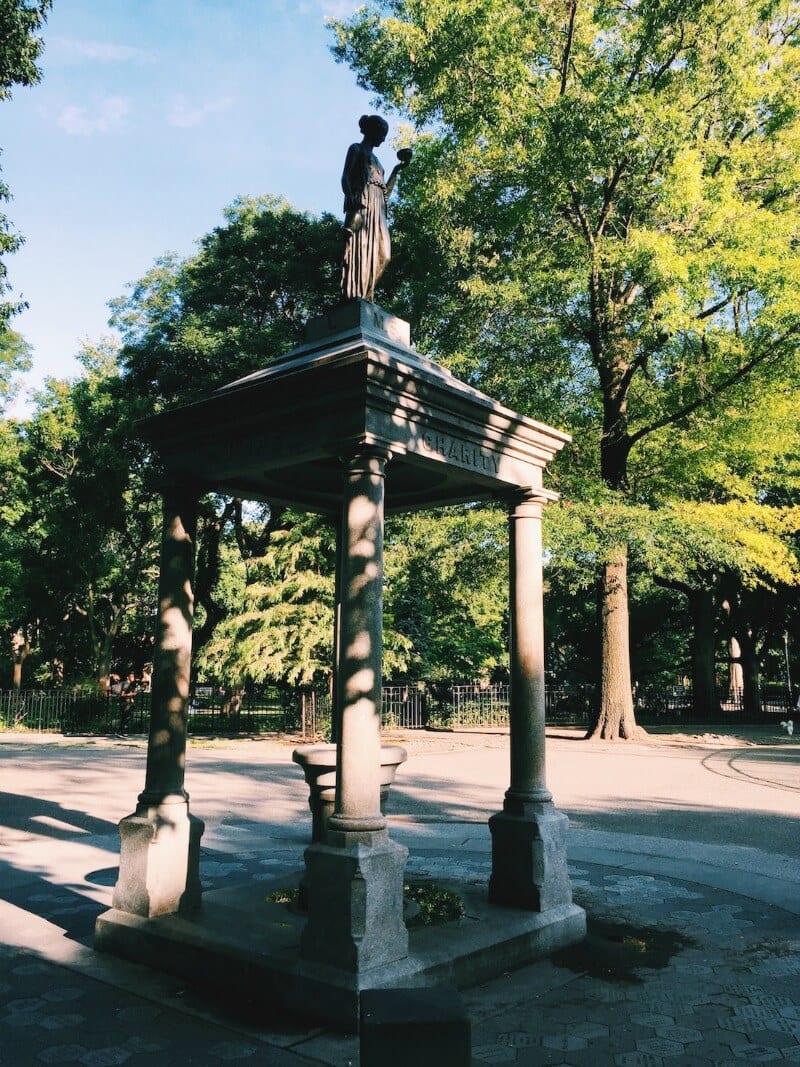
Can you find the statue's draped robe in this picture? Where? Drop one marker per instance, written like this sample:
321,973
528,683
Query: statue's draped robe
369,249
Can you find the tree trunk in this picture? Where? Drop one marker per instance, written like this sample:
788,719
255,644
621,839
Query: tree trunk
736,674
20,647
106,648
705,702
616,720
751,696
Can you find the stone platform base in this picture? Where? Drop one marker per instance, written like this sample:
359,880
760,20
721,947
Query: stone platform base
240,946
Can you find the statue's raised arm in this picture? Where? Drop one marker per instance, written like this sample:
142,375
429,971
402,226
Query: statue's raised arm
368,246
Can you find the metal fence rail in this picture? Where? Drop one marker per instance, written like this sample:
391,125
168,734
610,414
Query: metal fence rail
408,705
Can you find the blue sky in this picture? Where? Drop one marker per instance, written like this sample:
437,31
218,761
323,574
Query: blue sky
152,116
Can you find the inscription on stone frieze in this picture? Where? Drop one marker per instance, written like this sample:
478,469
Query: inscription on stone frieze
456,451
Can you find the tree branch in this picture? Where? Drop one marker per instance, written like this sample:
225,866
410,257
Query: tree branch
695,405
708,312
608,195
573,6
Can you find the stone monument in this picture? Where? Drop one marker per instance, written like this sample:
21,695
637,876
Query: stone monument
350,423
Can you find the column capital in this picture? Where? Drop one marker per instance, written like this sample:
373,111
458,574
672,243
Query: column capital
529,500
367,459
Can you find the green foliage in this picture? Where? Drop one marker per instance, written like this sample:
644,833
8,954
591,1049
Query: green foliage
87,522
611,192
600,228
437,904
20,47
447,590
282,627
20,20
189,326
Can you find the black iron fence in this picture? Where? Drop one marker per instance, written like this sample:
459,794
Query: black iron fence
411,705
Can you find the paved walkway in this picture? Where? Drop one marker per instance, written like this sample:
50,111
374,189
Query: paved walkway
693,954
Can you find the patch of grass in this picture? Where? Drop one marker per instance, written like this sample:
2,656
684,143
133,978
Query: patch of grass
283,896
432,904
436,904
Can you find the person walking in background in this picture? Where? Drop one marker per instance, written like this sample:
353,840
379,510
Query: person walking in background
127,696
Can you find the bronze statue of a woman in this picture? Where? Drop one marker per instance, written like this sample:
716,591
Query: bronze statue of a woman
367,243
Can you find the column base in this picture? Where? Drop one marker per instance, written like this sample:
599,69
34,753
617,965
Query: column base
159,861
355,904
529,858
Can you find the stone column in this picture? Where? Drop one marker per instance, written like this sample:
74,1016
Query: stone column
160,841
529,857
355,878
337,631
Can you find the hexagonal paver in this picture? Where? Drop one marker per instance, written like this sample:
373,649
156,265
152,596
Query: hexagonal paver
61,994
22,1018
515,1039
756,1053
61,1054
728,1000
650,1019
789,1011
684,1034
771,1000
60,1022
783,1026
698,970
589,1030
757,1013
792,1054
105,1057
636,1059
782,967
658,1046
26,1004
141,1044
139,1013
564,1042
737,1023
232,1050
494,1054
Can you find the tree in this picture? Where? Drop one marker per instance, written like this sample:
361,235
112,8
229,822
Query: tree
447,590
742,551
20,48
190,326
89,534
281,624
610,193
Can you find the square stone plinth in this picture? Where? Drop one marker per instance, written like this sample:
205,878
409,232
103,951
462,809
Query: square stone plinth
240,946
159,862
355,905
529,860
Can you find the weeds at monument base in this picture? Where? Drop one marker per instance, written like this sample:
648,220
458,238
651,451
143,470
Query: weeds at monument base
433,905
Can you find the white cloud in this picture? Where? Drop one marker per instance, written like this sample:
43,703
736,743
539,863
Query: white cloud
72,50
185,115
78,122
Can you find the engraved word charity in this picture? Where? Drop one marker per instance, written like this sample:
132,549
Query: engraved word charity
460,452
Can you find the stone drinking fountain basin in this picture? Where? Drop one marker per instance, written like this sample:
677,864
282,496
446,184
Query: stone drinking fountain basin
319,767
